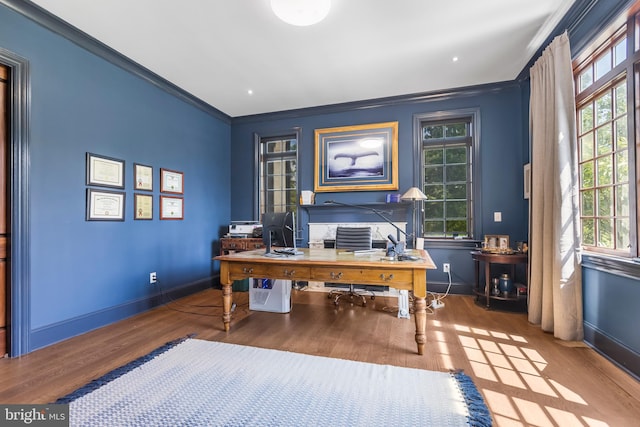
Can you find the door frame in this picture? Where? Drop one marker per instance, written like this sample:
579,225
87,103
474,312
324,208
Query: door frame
18,303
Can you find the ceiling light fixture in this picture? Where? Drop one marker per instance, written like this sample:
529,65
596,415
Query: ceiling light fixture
301,12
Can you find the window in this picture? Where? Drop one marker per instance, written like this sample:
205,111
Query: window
447,151
278,165
605,89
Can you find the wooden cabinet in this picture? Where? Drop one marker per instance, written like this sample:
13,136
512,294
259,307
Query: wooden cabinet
238,244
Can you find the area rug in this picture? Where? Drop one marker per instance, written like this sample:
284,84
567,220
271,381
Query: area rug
193,382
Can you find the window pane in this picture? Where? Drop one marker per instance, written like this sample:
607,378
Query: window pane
603,109
586,118
433,174
456,155
433,156
586,175
605,233
622,200
585,79
458,227
456,173
456,191
455,130
622,166
431,132
605,202
586,146
603,65
434,228
588,232
621,133
434,209
587,203
456,209
622,234
605,170
434,192
620,51
603,139
621,99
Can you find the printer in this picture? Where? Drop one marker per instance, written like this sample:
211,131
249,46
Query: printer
244,228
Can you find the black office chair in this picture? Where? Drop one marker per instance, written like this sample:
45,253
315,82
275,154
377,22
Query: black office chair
353,238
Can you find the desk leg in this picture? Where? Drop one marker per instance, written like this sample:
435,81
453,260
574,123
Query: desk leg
227,291
226,306
420,308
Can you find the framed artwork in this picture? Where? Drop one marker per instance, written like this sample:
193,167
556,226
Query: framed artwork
105,171
142,206
103,205
171,181
496,243
527,180
171,207
356,158
142,177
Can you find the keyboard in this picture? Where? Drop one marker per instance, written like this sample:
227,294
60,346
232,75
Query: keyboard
287,251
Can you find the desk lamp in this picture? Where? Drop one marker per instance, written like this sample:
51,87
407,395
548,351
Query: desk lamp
415,195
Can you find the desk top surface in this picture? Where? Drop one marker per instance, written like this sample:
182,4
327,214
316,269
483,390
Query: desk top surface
323,257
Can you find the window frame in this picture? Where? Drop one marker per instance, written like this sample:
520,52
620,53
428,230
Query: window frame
626,71
259,140
475,204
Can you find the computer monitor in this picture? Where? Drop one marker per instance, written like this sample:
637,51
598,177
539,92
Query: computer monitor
278,229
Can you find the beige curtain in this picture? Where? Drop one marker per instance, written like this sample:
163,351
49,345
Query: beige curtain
555,291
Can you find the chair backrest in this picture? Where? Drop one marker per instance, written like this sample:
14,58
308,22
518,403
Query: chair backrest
354,238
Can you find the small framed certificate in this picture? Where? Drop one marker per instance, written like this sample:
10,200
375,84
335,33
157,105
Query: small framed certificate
142,177
171,181
105,171
105,205
143,206
171,207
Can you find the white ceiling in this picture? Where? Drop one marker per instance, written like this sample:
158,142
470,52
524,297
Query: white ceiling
218,50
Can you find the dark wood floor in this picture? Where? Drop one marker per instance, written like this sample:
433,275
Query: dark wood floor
526,376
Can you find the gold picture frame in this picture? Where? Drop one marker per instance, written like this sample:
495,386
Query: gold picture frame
496,243
356,158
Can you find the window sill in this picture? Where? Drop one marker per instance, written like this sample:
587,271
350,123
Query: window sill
626,267
451,244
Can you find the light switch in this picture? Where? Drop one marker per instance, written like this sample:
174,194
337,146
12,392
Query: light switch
497,216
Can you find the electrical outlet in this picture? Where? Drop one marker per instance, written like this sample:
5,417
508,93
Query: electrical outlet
446,267
152,278
435,304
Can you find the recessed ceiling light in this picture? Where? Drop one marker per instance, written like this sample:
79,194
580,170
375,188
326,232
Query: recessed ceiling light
250,92
301,12
455,59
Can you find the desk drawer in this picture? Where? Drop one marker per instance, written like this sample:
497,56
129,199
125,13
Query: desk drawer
233,244
340,274
240,270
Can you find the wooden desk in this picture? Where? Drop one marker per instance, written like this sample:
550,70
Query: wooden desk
330,265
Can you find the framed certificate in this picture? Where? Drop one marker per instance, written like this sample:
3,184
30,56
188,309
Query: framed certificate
171,207
105,205
142,177
143,206
171,181
105,171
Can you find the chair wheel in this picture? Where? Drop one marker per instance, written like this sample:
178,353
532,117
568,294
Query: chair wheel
373,297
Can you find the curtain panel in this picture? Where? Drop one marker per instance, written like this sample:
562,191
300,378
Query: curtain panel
555,290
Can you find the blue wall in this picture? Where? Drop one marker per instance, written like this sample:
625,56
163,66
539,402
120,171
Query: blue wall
87,274
502,154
